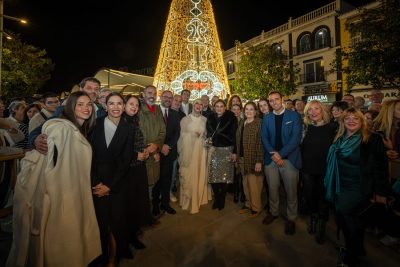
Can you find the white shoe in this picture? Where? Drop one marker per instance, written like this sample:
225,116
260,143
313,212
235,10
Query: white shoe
172,197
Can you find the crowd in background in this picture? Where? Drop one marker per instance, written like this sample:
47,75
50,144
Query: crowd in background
121,160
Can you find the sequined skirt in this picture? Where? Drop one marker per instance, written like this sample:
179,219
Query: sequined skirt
220,168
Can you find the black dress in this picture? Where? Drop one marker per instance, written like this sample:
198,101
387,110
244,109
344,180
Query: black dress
110,166
138,201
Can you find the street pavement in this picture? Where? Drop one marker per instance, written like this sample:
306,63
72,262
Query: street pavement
229,239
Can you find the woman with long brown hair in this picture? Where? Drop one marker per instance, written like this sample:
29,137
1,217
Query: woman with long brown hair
54,218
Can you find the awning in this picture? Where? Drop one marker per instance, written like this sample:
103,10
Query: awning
123,82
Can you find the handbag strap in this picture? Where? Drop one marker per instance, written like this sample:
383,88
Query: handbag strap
216,129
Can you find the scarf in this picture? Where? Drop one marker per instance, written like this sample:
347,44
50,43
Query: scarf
342,148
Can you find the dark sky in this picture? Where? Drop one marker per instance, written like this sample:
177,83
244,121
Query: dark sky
83,36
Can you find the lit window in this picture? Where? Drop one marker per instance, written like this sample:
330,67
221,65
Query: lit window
321,38
230,67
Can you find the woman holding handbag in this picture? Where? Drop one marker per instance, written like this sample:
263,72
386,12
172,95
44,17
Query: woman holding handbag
221,126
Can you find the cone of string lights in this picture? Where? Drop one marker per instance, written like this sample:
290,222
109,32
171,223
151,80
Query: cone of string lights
190,54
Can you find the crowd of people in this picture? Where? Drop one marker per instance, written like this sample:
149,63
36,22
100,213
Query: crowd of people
99,167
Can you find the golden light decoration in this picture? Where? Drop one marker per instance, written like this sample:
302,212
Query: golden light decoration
190,54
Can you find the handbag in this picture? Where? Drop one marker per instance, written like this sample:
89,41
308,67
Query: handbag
208,140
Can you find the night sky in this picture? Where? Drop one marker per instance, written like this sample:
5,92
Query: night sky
83,36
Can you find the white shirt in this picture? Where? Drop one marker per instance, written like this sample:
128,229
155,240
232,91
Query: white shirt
280,113
185,108
109,130
163,109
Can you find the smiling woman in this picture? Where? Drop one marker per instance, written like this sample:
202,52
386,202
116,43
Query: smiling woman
50,185
112,142
359,157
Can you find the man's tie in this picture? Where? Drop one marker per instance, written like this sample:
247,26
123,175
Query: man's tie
165,115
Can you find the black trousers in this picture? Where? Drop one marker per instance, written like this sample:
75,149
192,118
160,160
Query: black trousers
314,193
161,190
219,190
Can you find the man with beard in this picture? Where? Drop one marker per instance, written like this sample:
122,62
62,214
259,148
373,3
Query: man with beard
161,190
152,125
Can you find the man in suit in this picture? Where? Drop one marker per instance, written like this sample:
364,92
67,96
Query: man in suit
281,136
205,100
161,190
186,106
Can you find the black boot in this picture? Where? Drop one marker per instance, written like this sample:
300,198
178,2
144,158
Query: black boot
320,237
312,227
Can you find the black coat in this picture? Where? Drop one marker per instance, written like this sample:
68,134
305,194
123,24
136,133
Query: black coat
374,167
225,132
110,166
173,131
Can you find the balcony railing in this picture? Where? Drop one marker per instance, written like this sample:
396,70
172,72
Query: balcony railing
313,77
314,14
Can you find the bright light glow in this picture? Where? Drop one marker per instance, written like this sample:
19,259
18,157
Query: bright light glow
190,55
23,21
9,37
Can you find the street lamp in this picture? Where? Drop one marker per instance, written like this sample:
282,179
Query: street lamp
2,16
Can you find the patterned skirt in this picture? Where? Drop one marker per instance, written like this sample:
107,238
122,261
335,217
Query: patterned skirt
220,166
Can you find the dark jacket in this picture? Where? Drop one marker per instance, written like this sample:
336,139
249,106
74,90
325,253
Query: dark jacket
207,112
111,164
173,131
225,132
374,167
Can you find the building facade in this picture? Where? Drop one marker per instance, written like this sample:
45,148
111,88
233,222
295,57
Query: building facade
310,42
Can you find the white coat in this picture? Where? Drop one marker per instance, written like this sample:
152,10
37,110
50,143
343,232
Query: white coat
54,219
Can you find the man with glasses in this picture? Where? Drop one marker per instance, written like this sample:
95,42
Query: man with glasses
51,102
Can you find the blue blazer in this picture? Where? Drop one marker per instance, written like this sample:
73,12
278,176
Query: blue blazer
291,137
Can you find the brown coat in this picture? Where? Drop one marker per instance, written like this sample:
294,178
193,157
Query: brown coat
253,149
153,129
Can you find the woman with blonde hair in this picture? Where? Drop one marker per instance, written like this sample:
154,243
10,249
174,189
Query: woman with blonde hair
194,189
387,123
318,136
357,172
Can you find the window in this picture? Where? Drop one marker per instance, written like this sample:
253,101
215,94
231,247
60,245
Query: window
322,38
314,72
230,67
305,43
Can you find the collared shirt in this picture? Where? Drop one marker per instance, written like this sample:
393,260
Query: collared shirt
164,109
280,113
185,108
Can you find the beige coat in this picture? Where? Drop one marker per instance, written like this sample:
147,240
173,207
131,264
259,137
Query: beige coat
54,219
153,129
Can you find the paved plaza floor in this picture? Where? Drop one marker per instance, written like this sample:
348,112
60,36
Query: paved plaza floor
215,238
227,238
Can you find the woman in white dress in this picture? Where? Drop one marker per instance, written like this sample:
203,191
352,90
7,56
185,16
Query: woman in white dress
194,189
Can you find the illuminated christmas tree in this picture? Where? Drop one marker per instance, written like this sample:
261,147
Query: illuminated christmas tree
190,55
